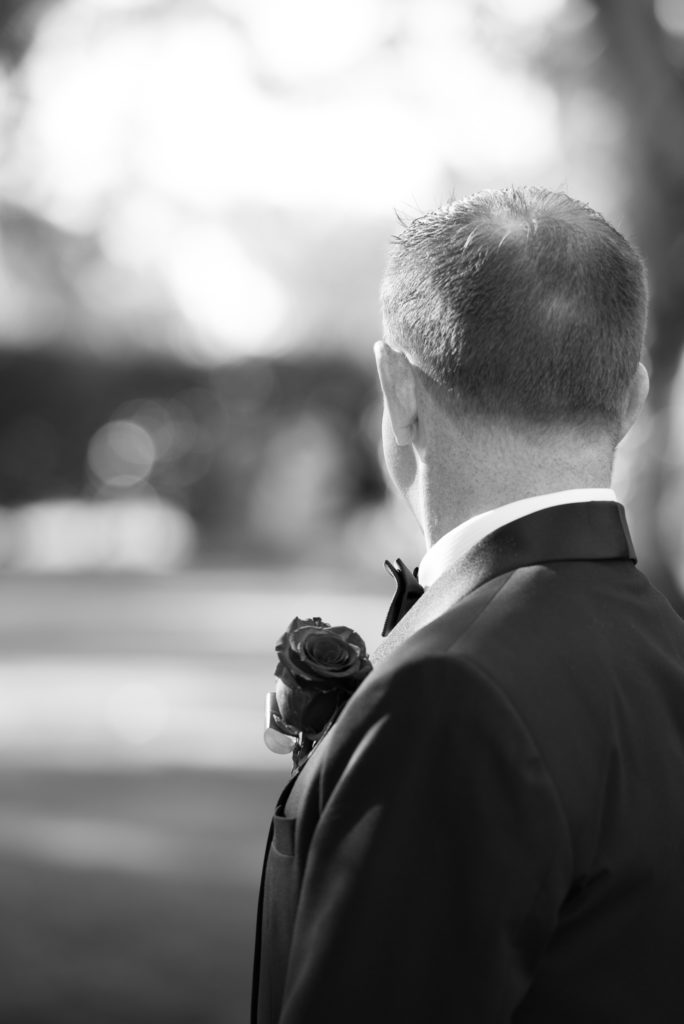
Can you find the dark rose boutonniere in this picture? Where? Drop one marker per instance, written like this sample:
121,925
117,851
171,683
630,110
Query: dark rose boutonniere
319,667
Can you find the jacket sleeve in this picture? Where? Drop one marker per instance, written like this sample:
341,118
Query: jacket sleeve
439,861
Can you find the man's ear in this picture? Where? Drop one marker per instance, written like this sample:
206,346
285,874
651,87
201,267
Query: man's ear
399,390
636,396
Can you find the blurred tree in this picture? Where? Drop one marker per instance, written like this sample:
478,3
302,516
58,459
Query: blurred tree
618,69
644,69
18,22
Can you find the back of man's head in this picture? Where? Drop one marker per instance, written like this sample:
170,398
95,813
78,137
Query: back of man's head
521,305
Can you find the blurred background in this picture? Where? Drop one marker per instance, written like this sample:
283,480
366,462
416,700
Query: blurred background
196,198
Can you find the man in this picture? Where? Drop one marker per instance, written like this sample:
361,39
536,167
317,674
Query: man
493,830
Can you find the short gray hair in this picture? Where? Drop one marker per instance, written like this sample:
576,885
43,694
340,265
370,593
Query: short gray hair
519,303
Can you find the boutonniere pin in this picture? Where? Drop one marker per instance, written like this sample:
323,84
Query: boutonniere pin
319,666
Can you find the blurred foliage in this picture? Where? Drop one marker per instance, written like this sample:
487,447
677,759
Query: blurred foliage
226,440
644,73
18,20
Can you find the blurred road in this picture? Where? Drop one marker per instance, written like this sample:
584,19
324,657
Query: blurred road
135,788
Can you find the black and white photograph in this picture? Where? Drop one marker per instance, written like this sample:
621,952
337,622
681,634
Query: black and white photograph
341,511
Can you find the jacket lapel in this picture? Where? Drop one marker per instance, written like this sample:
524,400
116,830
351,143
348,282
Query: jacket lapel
587,531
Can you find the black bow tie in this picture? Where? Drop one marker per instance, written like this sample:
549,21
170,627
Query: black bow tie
408,592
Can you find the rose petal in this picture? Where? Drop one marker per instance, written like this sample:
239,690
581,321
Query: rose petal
315,657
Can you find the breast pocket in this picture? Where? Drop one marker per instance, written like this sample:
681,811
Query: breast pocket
284,835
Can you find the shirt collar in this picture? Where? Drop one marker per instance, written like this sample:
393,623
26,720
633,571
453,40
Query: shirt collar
454,544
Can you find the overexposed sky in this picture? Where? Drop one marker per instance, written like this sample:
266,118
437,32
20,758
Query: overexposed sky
151,124
357,105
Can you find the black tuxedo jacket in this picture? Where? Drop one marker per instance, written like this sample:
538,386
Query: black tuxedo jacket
493,830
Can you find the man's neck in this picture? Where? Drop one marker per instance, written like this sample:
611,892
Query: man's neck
444,504
466,467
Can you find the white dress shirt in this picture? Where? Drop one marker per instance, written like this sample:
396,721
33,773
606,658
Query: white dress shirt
454,544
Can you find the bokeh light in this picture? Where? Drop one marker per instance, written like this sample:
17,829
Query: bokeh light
670,14
122,454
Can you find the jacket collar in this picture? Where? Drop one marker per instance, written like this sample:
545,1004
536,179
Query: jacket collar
454,544
590,531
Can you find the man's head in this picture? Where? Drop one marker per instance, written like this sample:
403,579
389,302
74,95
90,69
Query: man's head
521,309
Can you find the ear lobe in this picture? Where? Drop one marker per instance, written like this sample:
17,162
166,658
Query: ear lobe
636,396
399,391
